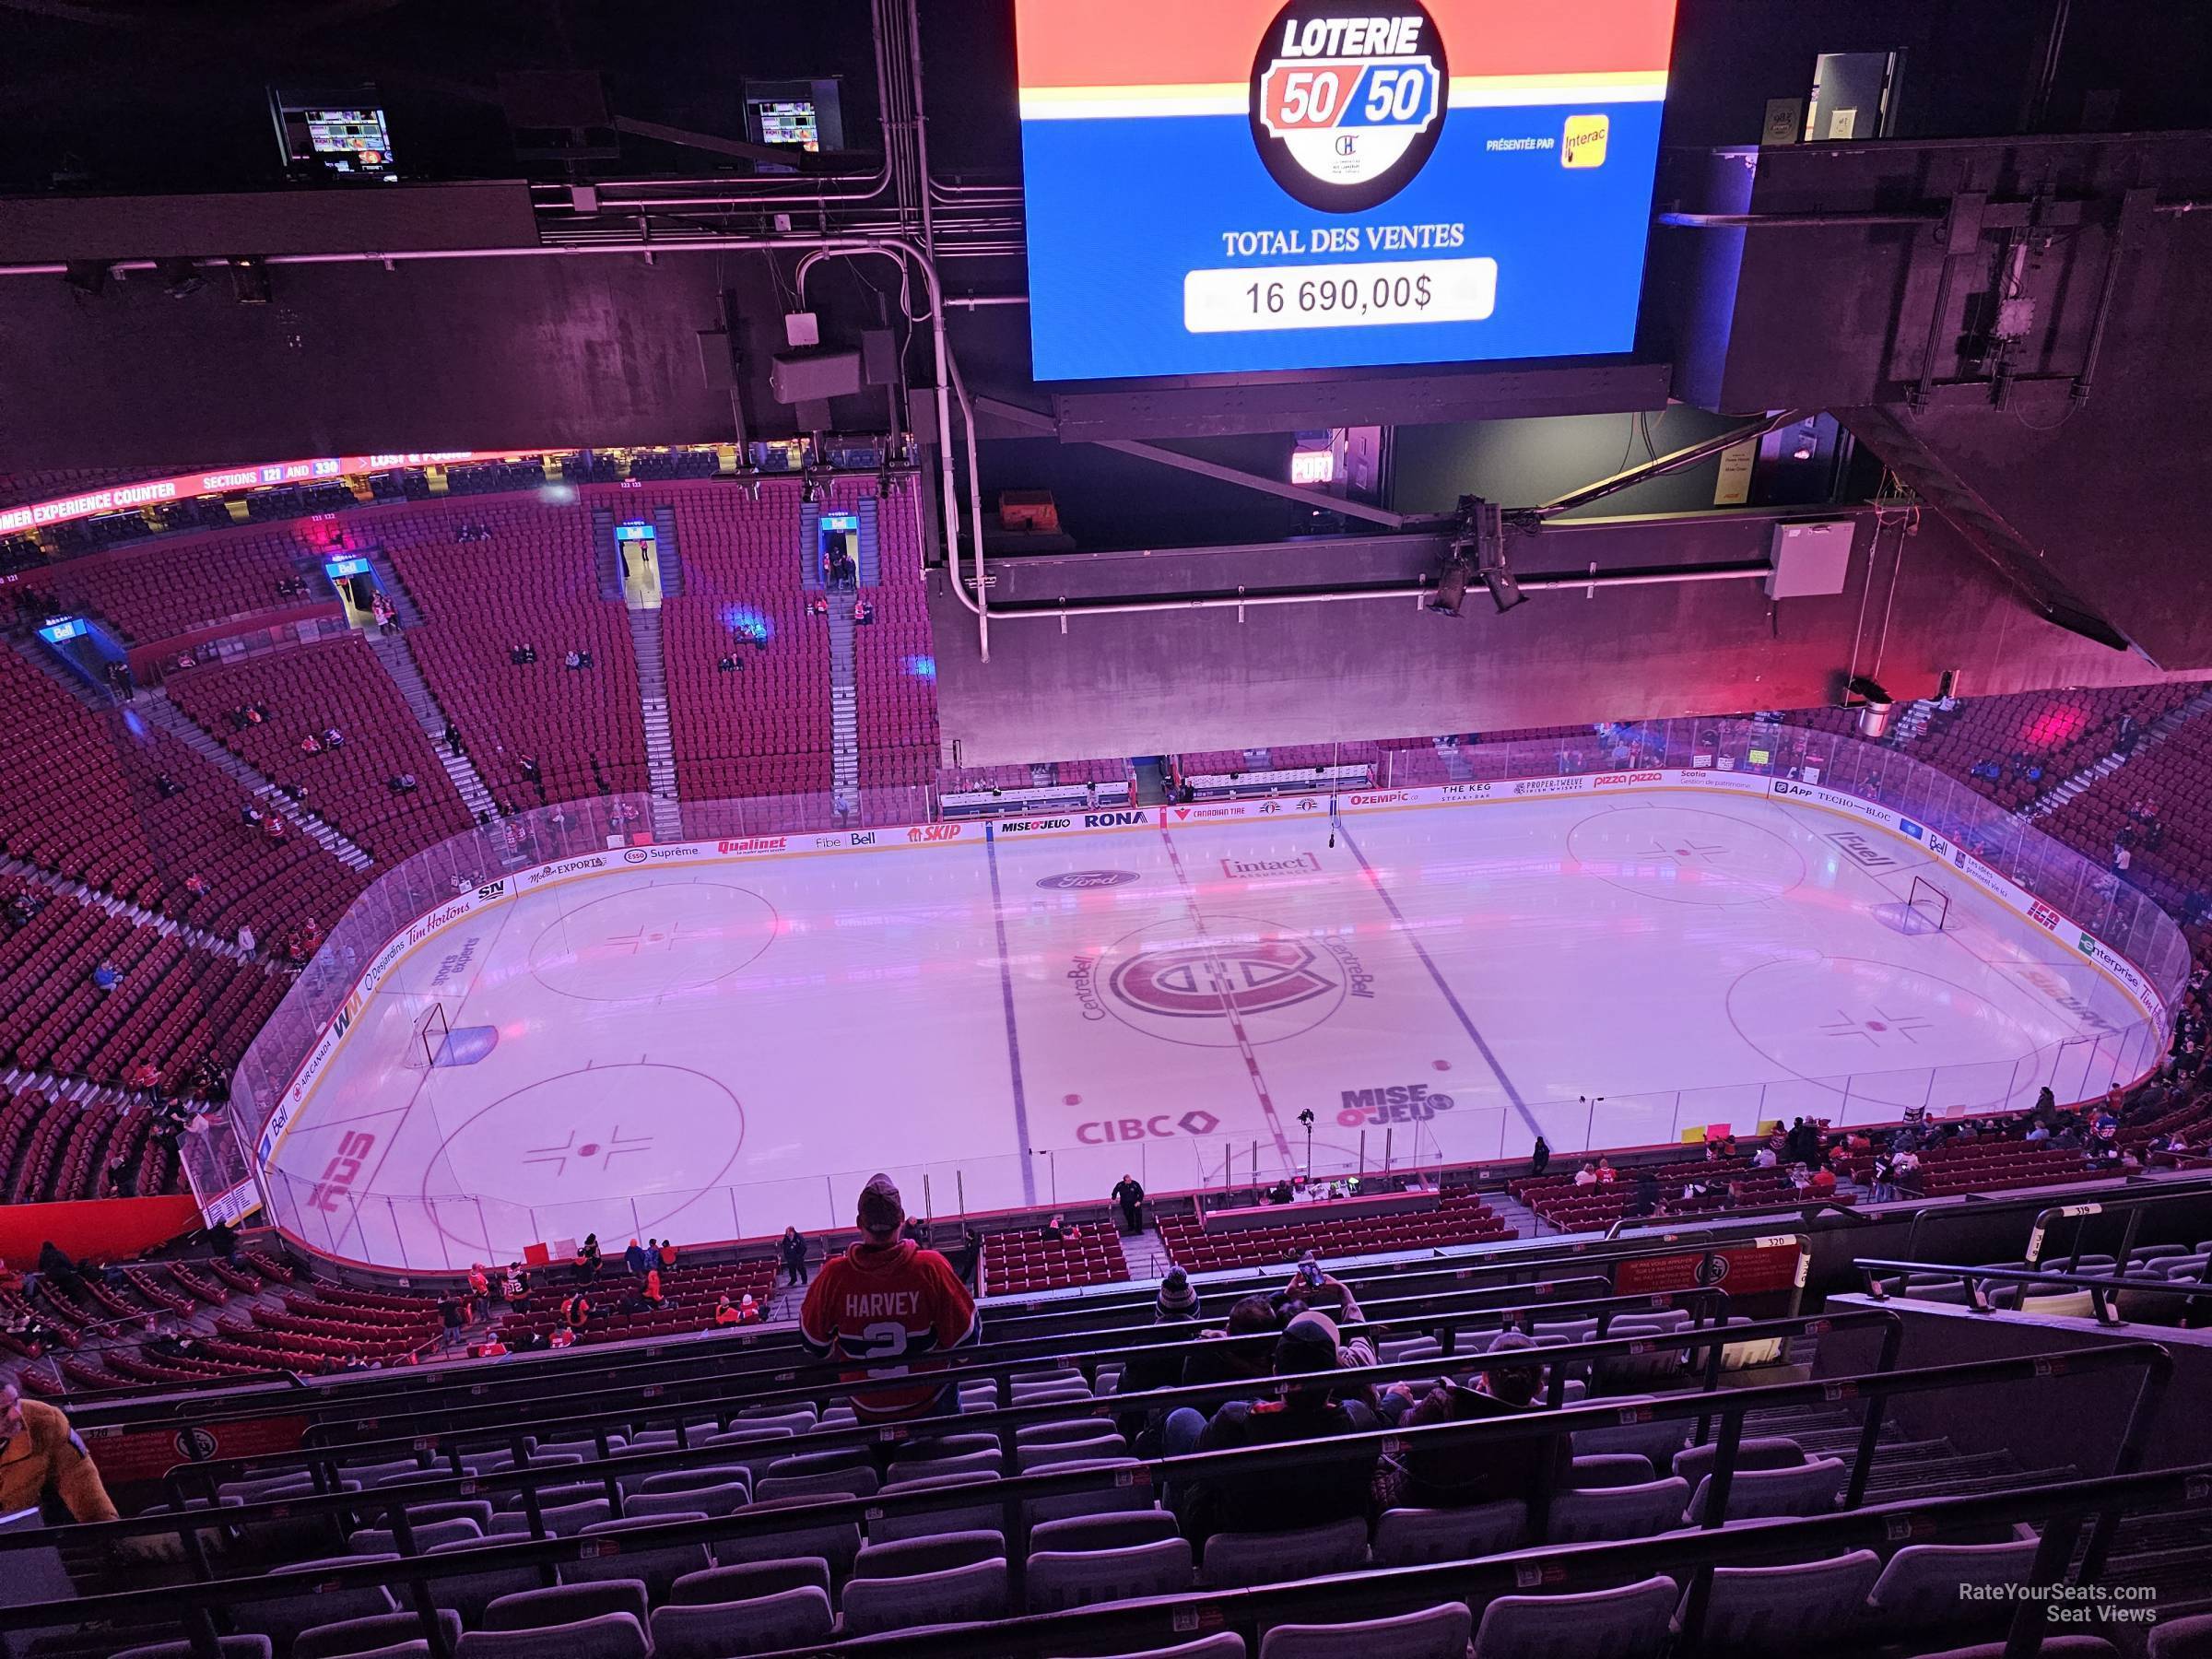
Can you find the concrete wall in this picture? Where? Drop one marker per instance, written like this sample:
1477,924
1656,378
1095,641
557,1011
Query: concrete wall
1178,679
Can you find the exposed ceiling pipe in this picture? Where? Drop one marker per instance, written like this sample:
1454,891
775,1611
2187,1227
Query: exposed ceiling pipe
912,26
1063,611
633,248
897,250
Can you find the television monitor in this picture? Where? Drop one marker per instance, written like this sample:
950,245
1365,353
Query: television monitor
341,134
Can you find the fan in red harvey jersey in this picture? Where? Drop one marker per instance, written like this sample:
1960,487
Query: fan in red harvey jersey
884,1306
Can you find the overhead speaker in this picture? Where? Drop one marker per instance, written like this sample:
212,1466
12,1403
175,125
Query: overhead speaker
795,377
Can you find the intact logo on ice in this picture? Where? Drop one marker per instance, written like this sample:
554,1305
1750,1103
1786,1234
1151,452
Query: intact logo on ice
1347,100
1303,864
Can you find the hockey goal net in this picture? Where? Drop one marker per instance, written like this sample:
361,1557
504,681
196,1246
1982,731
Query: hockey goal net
1928,907
426,1041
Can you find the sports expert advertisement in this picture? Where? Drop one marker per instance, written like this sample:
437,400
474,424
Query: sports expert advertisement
1243,185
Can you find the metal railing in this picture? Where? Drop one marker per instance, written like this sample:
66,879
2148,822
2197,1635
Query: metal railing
679,1406
198,1603
2103,1289
1583,1266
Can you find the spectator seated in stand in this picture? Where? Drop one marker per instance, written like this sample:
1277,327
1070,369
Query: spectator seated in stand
1448,1477
1311,1408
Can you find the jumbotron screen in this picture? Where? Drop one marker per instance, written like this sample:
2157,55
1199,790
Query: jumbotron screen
1228,186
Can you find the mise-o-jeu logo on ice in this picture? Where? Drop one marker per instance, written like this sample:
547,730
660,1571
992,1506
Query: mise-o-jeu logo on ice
1347,100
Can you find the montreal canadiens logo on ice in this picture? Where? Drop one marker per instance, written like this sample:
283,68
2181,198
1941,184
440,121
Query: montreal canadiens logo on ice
1347,100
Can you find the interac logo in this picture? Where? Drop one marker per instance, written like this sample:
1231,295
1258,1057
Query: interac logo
1584,143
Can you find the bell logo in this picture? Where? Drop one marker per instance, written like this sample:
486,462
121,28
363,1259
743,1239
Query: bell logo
1584,143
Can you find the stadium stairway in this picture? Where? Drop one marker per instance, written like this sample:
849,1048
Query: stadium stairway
671,552
1516,1215
1144,1251
155,703
31,651
2172,720
869,565
399,662
1903,1468
2170,1552
844,710
200,936
652,703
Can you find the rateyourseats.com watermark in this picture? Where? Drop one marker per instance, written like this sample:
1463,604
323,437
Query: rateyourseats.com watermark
2076,1603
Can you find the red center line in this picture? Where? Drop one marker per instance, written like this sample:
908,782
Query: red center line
1224,989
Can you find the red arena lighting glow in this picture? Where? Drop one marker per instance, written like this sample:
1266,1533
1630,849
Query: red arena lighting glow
149,492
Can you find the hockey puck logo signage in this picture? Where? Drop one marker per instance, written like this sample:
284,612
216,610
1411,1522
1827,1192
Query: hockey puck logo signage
1347,100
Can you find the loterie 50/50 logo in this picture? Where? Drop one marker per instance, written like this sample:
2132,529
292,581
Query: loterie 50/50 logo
1347,100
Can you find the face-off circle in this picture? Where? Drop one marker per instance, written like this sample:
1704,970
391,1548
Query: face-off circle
1347,100
1682,855
1879,1031
660,1134
1243,974
652,940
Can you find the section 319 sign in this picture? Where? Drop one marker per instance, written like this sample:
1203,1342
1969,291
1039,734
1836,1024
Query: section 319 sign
1239,185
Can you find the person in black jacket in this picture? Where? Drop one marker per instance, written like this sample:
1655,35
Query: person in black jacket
792,1248
1456,1476
1333,1489
1161,1366
1130,1195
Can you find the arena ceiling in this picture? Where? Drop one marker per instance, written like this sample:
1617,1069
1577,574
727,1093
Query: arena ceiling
2051,465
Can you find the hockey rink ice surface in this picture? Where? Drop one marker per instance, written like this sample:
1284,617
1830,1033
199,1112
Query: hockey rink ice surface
712,1050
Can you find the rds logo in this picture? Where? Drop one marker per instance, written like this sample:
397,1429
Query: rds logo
1347,100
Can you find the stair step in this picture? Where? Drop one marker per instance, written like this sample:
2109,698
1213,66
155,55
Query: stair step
118,907
158,708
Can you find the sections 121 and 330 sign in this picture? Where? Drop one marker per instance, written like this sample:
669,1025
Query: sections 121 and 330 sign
1223,186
